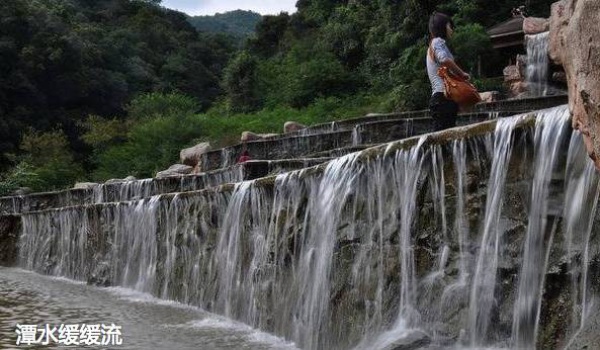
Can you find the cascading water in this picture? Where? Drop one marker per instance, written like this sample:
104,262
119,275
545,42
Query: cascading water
550,134
379,248
583,188
409,163
327,203
61,253
136,189
537,63
357,135
227,157
484,279
135,247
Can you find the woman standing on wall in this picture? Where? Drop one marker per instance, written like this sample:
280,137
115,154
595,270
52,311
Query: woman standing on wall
443,110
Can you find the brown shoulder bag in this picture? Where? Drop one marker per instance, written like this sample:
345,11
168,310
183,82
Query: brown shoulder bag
457,88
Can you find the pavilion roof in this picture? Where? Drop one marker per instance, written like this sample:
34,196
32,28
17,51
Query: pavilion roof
508,33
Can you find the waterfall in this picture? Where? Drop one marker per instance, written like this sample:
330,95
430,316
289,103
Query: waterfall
456,292
134,254
62,252
536,74
460,224
484,279
414,241
227,157
409,164
326,206
583,188
357,131
549,137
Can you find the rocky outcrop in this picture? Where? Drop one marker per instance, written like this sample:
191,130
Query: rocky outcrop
575,44
489,96
535,25
514,79
512,74
252,136
191,156
292,126
85,185
175,170
118,181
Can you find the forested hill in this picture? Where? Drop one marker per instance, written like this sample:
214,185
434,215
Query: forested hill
238,23
62,60
98,89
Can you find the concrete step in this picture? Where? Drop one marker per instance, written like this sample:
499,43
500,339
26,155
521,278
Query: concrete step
511,107
370,132
133,190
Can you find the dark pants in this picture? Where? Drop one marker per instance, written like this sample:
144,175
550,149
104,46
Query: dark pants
443,111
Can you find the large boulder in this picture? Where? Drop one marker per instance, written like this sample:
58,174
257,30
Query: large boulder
517,88
191,156
175,170
252,136
535,25
575,44
489,96
292,126
85,185
512,74
118,181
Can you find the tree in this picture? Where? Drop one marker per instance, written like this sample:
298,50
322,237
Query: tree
240,83
471,43
50,158
269,33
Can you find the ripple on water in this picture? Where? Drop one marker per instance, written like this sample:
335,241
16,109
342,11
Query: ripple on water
148,322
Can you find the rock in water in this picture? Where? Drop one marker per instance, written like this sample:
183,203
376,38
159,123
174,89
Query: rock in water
191,156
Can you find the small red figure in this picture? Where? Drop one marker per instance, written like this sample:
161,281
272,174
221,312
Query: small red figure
244,157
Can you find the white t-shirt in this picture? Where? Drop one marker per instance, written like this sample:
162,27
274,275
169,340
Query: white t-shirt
441,53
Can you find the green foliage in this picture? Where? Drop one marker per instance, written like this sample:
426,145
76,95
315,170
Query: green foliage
158,126
343,35
63,60
490,84
471,45
152,145
50,158
238,23
318,11
22,175
125,79
240,83
101,132
222,131
155,104
270,31
318,77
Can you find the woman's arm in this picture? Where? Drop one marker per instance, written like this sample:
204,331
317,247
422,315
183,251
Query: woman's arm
450,64
442,55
